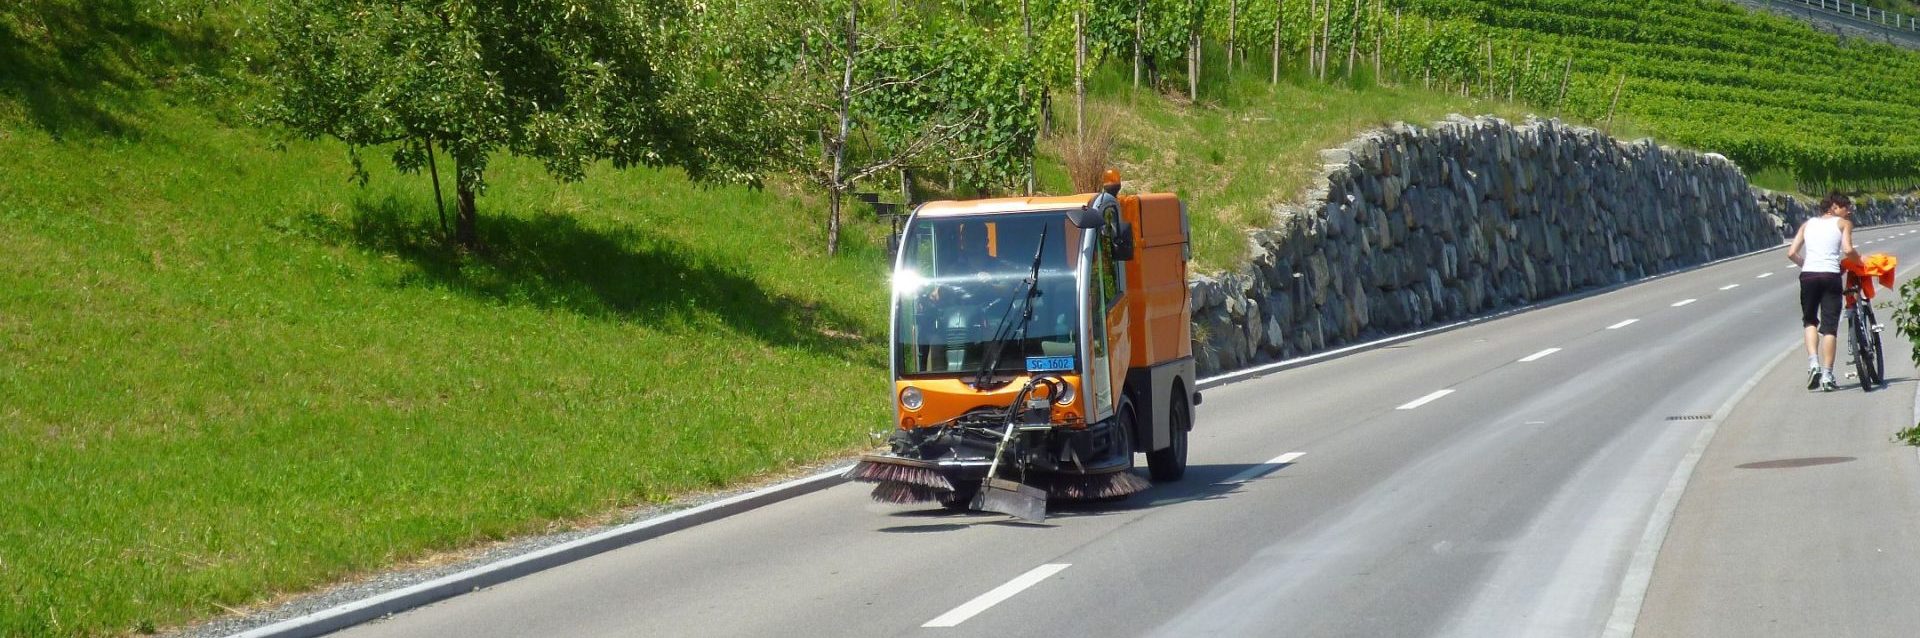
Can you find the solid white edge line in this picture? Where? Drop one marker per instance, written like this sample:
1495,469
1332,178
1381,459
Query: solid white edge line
997,595
1730,286
313,623
1425,400
1263,469
1538,355
1639,574
1683,302
1622,324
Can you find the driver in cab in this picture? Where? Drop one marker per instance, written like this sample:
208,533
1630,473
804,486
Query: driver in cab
977,270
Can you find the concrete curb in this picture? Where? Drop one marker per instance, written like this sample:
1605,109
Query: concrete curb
359,611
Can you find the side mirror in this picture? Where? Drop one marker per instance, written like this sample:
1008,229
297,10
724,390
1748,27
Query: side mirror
1123,241
1093,214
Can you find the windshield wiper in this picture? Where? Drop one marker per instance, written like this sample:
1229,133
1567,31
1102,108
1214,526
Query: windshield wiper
997,346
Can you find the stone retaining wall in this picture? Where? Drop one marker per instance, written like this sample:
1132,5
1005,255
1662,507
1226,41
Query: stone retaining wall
1412,227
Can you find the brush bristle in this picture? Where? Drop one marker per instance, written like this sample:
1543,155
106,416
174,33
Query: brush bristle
1099,486
904,493
887,471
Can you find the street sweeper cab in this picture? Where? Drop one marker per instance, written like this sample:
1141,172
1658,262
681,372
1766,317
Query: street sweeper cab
1038,344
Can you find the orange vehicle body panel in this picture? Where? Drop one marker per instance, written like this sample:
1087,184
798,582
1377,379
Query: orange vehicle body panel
1157,280
947,399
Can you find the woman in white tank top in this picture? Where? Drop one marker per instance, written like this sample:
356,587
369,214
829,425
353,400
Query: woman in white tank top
1818,249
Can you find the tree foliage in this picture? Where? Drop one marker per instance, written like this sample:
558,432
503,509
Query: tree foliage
567,82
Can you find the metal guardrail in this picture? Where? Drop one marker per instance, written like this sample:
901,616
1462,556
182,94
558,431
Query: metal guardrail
1881,17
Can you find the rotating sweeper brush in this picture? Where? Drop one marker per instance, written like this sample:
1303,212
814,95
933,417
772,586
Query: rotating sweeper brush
900,480
1097,487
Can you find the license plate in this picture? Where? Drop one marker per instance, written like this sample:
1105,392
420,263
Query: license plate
1049,364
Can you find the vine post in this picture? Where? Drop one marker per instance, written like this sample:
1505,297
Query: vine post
1279,17
1353,38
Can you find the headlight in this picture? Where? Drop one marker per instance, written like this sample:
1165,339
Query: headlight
1066,394
910,398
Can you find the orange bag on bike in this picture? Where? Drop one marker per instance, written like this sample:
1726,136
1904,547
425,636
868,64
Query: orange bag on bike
1875,266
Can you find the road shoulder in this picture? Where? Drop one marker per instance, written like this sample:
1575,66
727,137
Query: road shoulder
1800,517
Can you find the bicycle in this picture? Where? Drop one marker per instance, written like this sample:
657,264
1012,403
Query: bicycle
1863,334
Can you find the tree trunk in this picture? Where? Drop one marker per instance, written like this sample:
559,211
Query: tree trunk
433,169
466,222
834,195
835,186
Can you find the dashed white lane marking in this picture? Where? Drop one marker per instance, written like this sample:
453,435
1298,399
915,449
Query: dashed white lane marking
1424,400
1263,469
1622,324
1683,302
1764,275
984,601
1730,286
1539,355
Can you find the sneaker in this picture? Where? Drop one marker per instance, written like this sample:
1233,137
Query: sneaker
1813,378
1826,383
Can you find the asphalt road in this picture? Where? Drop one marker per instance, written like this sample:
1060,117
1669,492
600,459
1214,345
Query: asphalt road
1495,480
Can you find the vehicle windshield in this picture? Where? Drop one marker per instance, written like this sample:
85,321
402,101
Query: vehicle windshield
960,278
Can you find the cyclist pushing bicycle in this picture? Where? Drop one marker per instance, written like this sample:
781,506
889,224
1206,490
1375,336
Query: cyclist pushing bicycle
1818,248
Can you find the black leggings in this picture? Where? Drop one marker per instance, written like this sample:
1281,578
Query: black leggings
1820,301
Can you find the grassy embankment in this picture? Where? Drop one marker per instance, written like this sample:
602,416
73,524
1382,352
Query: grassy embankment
230,374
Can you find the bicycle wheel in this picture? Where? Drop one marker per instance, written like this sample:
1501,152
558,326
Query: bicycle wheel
1876,355
1857,350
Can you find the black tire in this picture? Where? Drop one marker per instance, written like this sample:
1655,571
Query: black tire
1171,463
1878,359
1879,362
1858,336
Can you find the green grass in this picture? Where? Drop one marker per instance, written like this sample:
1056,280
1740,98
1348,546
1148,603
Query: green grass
230,373
1909,436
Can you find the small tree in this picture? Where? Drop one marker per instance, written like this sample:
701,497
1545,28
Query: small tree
567,83
881,96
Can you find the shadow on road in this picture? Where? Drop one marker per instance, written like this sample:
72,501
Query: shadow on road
1202,483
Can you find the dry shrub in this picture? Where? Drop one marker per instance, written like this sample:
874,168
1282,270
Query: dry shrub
1087,158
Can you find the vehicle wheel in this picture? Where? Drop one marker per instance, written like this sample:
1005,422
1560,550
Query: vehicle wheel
1171,463
961,498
